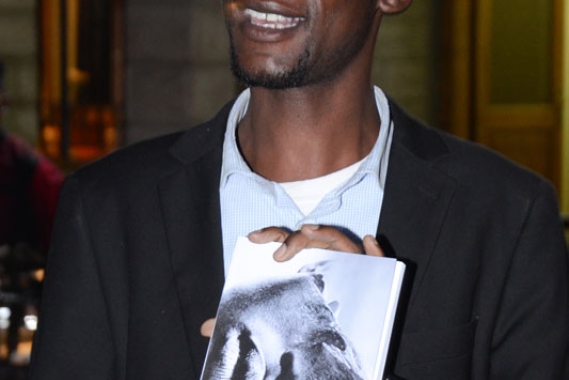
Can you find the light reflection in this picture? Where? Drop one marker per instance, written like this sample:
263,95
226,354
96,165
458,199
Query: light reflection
31,322
5,314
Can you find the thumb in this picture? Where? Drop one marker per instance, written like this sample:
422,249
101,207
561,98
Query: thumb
371,247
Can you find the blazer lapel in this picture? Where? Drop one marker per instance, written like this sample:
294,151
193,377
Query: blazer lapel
192,220
417,196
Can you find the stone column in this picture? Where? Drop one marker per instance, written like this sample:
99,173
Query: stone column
177,70
18,51
407,59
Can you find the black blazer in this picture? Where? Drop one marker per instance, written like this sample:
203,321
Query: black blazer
135,265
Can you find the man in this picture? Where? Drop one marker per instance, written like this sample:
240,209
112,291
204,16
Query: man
143,236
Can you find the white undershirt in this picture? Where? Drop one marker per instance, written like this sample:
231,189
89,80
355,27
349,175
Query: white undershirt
307,194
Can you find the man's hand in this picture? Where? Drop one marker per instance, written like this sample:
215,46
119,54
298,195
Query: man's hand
313,236
309,236
207,328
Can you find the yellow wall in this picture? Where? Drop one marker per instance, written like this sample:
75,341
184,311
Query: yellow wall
565,115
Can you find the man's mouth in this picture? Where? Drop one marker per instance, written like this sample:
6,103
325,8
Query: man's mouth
272,20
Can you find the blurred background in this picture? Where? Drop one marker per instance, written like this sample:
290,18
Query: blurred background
85,77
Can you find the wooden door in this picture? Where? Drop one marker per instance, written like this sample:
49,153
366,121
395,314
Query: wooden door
502,63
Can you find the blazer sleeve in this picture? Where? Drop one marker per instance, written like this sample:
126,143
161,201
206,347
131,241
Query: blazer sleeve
74,339
530,338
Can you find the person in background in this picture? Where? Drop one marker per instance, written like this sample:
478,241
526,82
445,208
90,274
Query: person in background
29,188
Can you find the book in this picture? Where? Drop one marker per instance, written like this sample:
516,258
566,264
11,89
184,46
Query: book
321,315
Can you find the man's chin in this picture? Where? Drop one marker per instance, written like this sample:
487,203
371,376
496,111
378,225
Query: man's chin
270,81
277,79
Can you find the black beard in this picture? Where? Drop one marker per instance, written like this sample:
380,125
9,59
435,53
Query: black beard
296,77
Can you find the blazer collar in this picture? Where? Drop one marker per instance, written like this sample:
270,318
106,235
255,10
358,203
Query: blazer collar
200,140
189,198
417,195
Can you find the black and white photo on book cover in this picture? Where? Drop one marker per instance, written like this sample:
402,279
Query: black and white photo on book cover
321,315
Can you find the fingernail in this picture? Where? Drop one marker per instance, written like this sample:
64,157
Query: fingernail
255,232
280,252
372,238
311,227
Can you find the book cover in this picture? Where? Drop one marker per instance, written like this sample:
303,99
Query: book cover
321,315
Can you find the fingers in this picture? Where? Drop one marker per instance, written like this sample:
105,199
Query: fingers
372,247
329,238
269,234
315,236
207,328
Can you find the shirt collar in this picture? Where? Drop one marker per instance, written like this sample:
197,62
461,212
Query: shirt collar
233,162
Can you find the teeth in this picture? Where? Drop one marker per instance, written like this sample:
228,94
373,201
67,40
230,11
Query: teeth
272,20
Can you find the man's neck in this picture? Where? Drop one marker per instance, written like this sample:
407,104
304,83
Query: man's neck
303,133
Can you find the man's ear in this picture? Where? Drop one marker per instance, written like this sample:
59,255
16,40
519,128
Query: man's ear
393,6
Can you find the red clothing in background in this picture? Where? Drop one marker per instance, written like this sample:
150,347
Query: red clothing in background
29,187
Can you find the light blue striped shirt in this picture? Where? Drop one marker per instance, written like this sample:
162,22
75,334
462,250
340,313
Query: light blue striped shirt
250,202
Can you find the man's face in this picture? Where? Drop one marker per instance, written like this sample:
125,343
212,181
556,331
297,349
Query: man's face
291,43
